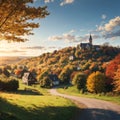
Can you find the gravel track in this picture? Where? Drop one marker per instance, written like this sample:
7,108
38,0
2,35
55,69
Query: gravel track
92,109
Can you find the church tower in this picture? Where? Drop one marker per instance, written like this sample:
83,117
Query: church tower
90,39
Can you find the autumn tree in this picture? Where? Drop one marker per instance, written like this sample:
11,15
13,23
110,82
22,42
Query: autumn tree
16,19
117,80
65,74
112,68
96,82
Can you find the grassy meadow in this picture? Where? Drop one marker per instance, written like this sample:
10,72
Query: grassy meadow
34,103
72,90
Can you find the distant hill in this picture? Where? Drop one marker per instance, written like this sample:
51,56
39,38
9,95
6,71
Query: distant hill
5,60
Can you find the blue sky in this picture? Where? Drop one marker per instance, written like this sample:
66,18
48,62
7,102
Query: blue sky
70,22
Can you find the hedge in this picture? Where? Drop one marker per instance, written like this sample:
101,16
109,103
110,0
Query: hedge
9,84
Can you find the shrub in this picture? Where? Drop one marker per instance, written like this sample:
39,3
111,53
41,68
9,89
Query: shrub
96,82
9,84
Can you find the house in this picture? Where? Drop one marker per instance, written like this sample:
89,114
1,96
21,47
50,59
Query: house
28,78
86,46
54,79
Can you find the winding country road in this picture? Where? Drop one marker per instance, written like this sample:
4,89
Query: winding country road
94,109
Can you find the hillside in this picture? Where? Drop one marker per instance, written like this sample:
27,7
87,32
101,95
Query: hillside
74,57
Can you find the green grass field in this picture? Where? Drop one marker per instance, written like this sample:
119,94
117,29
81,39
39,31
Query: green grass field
72,90
34,103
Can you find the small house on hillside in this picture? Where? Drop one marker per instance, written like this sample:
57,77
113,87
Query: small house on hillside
28,78
54,78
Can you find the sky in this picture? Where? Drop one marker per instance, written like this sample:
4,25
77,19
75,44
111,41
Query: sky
70,22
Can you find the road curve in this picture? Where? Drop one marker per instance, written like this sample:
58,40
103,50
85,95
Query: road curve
94,109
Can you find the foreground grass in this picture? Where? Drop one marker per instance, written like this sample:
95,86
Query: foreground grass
71,90
29,103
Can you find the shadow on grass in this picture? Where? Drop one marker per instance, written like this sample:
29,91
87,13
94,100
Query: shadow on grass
26,91
55,113
37,113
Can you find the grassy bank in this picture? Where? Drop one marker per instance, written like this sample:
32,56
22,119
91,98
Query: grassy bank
33,103
72,90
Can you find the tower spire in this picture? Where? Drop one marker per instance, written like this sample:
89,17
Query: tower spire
90,39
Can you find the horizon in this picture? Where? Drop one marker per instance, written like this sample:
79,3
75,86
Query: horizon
70,22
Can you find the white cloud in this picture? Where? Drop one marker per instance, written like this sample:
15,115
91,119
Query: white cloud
112,24
104,16
34,48
66,2
71,38
110,29
55,38
48,1
66,37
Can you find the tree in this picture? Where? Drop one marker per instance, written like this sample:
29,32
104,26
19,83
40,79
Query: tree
112,68
6,72
46,82
79,80
65,74
117,80
16,19
96,82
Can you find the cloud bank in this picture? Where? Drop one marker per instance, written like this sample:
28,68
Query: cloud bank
72,38
110,29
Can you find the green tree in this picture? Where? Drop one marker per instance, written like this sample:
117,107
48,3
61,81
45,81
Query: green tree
46,82
80,81
66,73
96,82
16,19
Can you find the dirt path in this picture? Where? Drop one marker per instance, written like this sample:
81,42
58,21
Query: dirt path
94,109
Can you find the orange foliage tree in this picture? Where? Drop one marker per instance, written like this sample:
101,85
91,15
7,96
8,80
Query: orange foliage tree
96,82
112,68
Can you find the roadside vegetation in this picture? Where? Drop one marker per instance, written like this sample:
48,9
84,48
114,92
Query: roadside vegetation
72,90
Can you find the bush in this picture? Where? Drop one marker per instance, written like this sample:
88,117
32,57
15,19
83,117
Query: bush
9,84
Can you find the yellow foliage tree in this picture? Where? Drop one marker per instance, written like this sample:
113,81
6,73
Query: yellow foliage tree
16,19
96,82
117,80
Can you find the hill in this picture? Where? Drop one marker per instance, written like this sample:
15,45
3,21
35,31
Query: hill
74,58
4,60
